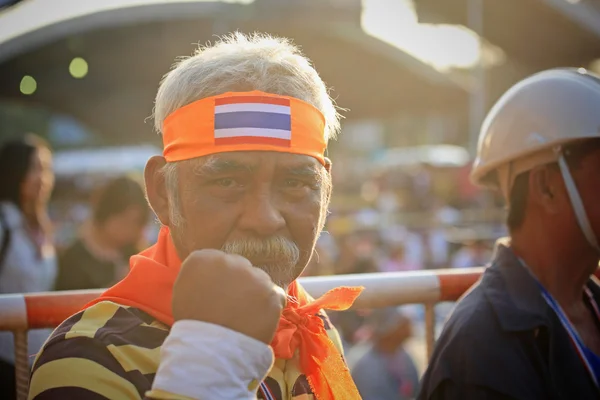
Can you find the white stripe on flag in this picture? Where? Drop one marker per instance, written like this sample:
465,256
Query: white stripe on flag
271,108
257,132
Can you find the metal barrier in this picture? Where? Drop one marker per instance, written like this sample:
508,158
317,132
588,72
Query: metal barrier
21,312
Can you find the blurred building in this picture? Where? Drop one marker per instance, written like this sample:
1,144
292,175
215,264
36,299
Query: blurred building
415,78
409,72
534,35
101,61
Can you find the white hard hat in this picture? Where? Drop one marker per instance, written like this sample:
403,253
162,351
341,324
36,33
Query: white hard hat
530,124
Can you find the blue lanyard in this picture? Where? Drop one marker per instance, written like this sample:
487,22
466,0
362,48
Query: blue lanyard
590,360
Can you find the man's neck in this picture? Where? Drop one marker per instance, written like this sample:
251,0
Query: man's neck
562,271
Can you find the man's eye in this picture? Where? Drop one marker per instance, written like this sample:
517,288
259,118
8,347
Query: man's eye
294,184
226,182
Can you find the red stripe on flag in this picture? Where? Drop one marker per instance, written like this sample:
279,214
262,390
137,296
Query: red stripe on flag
252,99
253,140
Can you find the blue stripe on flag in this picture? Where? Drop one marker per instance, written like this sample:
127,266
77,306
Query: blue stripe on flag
253,119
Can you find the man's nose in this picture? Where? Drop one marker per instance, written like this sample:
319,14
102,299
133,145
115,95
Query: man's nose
262,216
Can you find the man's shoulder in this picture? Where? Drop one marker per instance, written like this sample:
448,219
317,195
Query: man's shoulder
471,329
474,349
470,311
471,337
111,323
101,349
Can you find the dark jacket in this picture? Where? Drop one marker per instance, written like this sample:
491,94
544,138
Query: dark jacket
503,341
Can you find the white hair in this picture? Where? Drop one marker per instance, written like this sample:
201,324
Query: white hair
169,172
239,62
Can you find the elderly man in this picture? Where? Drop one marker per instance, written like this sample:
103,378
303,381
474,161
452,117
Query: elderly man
241,192
530,329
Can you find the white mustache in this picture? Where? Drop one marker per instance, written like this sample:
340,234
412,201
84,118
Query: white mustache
274,248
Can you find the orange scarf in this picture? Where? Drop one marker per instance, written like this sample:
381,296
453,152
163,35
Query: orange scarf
149,286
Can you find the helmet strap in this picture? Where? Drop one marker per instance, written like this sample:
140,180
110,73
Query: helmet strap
576,202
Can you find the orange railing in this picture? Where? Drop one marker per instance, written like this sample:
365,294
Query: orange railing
21,312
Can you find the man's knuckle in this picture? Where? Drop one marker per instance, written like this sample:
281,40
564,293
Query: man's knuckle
237,260
261,275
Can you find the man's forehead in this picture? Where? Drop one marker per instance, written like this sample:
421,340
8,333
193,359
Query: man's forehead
252,160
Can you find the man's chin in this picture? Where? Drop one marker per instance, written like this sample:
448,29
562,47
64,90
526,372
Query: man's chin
280,276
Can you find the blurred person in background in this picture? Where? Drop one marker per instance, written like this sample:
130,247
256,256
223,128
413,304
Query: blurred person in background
435,245
473,253
322,261
27,256
396,260
422,190
383,369
358,255
99,257
530,328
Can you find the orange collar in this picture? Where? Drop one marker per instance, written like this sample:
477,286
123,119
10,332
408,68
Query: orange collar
149,286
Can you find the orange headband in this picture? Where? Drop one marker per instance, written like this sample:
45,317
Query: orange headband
244,121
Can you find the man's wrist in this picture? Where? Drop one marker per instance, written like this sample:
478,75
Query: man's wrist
204,360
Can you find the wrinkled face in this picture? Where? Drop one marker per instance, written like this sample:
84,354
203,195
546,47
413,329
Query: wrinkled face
39,180
587,180
548,207
548,197
268,207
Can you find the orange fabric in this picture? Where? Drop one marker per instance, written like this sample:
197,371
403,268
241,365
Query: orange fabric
149,287
189,132
301,328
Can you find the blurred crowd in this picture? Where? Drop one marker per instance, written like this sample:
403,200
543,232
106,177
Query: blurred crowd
111,229
79,234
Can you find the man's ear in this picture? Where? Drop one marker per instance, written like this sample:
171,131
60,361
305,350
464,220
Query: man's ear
156,189
329,187
328,164
544,188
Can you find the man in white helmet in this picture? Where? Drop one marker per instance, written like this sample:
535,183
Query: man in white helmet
530,329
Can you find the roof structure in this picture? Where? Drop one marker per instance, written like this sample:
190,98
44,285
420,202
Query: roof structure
534,34
129,45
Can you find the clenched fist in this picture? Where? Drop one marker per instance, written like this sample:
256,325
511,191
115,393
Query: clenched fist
227,290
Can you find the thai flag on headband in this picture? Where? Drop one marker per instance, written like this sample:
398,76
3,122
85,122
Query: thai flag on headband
253,120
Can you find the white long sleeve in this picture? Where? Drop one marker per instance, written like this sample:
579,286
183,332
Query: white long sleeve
200,360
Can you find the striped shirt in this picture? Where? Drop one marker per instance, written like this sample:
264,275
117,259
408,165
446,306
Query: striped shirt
110,351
